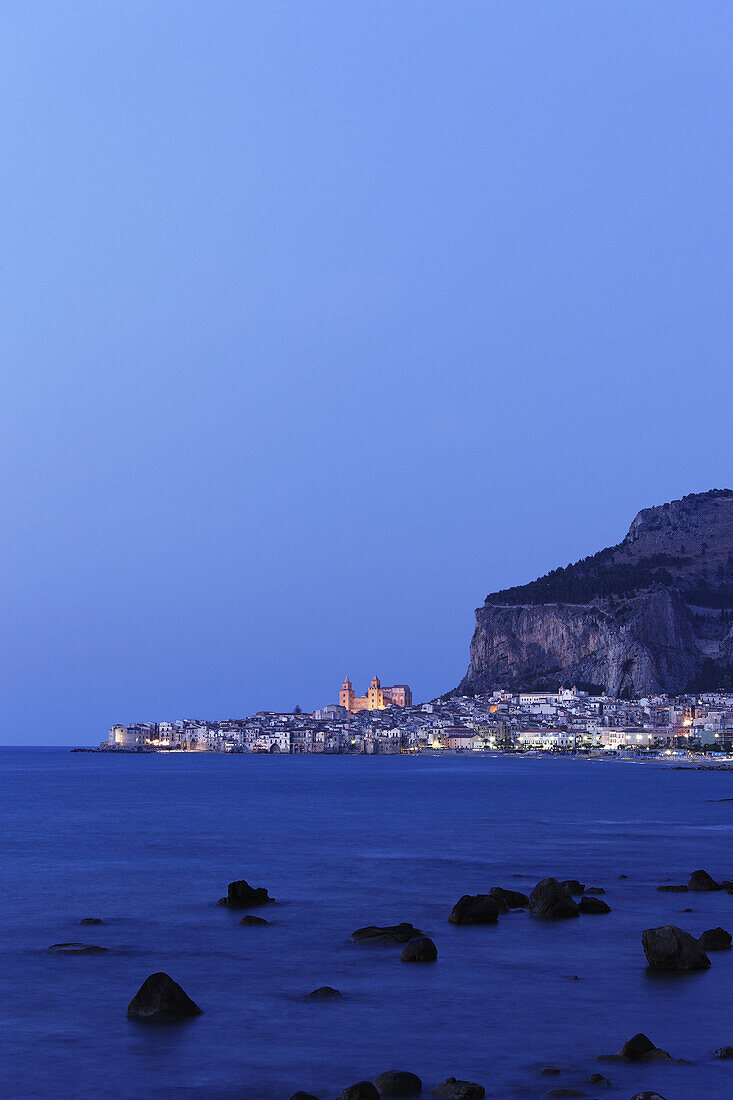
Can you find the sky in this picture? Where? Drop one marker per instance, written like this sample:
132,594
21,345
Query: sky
322,320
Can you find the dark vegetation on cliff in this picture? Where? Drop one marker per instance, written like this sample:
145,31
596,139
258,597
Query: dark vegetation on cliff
598,577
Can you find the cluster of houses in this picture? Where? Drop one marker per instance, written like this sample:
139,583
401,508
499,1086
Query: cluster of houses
564,721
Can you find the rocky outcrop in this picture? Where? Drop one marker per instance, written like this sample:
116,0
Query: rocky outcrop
362,1090
475,909
649,614
398,1083
240,895
703,882
77,949
388,933
669,948
159,997
716,939
593,905
420,950
550,901
325,993
453,1089
639,1048
514,899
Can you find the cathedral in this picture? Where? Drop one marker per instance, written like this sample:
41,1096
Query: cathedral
377,698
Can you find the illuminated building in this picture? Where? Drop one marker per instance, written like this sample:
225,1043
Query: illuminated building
377,697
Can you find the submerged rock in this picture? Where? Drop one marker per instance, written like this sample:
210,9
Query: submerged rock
420,950
673,889
362,1090
703,882
599,1079
723,1052
593,905
253,921
647,1096
91,920
453,1089
669,948
715,939
389,933
158,997
475,909
240,895
396,1083
594,890
573,886
325,992
77,949
563,1092
303,1096
515,899
550,901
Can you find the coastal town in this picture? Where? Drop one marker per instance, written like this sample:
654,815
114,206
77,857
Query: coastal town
385,720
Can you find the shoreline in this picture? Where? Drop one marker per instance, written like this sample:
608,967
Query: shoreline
678,763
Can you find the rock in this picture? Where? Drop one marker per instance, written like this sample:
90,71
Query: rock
688,910
325,992
599,1079
563,1092
77,949
623,876
550,901
303,1096
673,889
475,909
240,895
573,886
397,1083
715,939
593,905
452,1089
551,1071
362,1090
253,921
420,950
647,1096
637,1047
723,1052
91,920
702,882
515,899
391,933
594,890
669,948
159,997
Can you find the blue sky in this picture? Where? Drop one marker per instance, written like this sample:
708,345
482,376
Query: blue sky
322,320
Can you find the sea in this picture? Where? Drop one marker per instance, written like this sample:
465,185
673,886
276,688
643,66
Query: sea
148,843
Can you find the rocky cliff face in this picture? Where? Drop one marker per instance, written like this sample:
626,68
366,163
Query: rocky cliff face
654,613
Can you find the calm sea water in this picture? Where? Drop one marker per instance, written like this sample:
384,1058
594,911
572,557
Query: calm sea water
149,843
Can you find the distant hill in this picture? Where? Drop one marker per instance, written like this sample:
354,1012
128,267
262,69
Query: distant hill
653,613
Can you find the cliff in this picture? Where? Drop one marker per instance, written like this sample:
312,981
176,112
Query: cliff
653,613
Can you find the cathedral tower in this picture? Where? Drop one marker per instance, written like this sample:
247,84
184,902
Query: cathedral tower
346,695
